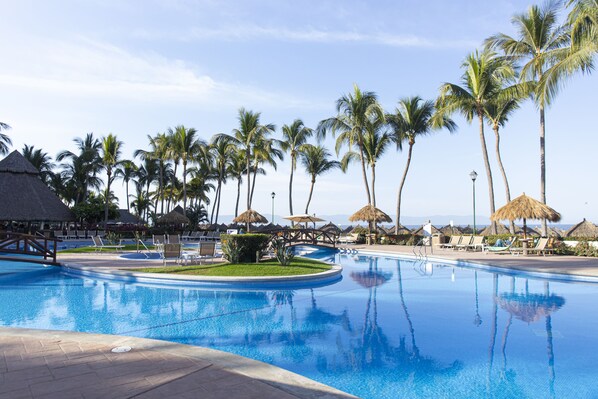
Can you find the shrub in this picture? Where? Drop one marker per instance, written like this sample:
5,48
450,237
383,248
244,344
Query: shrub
249,245
231,250
583,248
283,253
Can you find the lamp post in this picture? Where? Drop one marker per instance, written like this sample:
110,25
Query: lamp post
473,176
273,195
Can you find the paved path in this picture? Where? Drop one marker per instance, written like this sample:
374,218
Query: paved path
62,365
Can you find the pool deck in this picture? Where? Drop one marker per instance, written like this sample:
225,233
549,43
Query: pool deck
60,364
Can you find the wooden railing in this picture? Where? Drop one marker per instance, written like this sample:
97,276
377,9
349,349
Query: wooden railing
17,243
305,236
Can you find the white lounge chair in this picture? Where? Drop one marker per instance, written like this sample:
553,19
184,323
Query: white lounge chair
99,245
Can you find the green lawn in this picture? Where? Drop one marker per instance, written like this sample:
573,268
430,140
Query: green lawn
84,250
267,268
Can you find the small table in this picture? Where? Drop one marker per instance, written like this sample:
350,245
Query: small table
525,244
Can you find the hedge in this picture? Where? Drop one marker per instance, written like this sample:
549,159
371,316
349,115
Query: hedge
250,244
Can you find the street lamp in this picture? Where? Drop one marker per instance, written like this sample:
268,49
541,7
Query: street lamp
473,176
273,195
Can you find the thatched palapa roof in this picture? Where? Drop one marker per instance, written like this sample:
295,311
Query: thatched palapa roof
583,229
368,213
420,231
448,230
174,217
524,207
126,217
250,216
24,197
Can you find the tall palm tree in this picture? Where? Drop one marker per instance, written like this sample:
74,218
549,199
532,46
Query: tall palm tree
539,46
160,151
222,150
412,119
265,151
185,144
295,137
316,160
41,161
354,110
249,131
5,141
236,171
110,154
483,77
498,111
127,171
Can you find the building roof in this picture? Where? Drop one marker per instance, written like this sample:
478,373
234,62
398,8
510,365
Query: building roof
24,196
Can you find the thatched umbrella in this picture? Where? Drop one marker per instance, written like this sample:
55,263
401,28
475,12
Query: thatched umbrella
331,227
402,230
449,230
23,195
370,213
524,207
500,229
173,217
530,307
583,229
371,278
250,216
420,231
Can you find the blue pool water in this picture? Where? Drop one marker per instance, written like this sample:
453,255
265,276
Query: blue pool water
392,328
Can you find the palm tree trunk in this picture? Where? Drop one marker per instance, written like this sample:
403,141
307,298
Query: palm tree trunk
543,166
185,184
161,186
248,155
238,196
311,191
171,195
401,188
291,185
107,199
488,170
363,172
504,173
127,192
253,184
214,205
219,195
374,222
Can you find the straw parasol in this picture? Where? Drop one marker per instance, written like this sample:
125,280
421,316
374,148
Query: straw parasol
530,307
449,230
250,216
524,207
23,195
583,229
370,213
371,278
304,218
174,217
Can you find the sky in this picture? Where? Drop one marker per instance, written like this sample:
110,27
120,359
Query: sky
136,68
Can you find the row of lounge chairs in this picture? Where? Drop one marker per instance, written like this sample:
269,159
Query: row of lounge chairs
78,234
201,236
204,251
465,243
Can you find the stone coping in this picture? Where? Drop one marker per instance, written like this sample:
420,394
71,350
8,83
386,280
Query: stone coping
59,364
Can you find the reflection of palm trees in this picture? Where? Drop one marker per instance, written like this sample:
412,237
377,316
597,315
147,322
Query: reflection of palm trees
477,321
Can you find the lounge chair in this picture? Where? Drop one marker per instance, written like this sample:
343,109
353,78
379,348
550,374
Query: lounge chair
171,251
174,239
465,243
506,249
476,243
348,238
540,248
205,250
196,235
101,233
81,234
186,236
99,245
454,241
71,234
59,234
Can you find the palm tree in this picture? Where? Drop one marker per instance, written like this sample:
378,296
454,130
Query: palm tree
185,145
498,111
82,169
236,171
316,160
540,45
127,170
482,79
294,138
264,152
159,151
354,110
41,161
249,131
110,154
414,118
222,150
5,141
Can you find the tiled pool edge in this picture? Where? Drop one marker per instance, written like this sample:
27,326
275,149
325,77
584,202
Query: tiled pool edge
284,380
523,270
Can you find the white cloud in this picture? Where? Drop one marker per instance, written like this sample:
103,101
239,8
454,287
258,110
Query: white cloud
252,32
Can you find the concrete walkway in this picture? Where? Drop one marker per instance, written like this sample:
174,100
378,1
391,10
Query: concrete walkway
62,365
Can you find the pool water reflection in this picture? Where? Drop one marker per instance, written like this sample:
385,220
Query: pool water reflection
391,328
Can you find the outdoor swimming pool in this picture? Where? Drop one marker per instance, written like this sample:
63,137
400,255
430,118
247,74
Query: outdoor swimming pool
391,328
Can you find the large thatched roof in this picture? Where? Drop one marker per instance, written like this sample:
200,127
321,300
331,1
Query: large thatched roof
174,217
250,216
584,229
126,217
524,207
368,213
24,197
420,230
331,227
449,230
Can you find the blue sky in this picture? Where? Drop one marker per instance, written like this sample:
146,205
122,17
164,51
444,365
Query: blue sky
138,67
